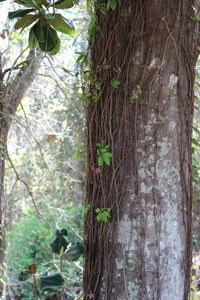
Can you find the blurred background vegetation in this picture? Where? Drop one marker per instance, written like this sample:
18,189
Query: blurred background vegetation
46,158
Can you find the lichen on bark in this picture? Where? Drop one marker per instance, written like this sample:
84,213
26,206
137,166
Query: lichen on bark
144,252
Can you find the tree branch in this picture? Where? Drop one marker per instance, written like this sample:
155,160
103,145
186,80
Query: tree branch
15,90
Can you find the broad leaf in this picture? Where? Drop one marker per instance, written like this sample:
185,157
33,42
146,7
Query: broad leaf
21,2
19,13
61,241
106,159
104,150
64,4
56,47
32,3
196,129
76,154
46,37
81,56
51,282
115,83
112,4
99,145
24,275
60,24
89,3
108,154
195,142
61,231
44,2
74,251
52,41
39,32
25,21
100,161
32,39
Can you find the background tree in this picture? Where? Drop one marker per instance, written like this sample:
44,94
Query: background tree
11,94
142,72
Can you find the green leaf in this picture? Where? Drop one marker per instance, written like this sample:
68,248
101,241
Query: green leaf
36,33
29,3
51,282
99,145
106,159
32,3
44,2
196,129
60,24
19,13
74,251
47,37
118,70
76,154
104,150
21,2
115,83
81,56
100,161
64,4
56,46
105,67
108,154
60,241
193,150
32,40
102,7
112,4
195,142
103,214
134,96
25,21
24,275
61,231
89,3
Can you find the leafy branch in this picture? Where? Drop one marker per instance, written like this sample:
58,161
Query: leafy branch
54,281
46,22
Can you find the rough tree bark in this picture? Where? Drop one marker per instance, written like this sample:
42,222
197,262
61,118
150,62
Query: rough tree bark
144,252
11,94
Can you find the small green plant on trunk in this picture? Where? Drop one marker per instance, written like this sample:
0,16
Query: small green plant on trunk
103,214
103,154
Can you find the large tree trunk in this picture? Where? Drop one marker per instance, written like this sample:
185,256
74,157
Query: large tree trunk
144,252
11,95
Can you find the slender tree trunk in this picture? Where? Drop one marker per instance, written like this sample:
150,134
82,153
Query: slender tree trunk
11,95
144,251
3,134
